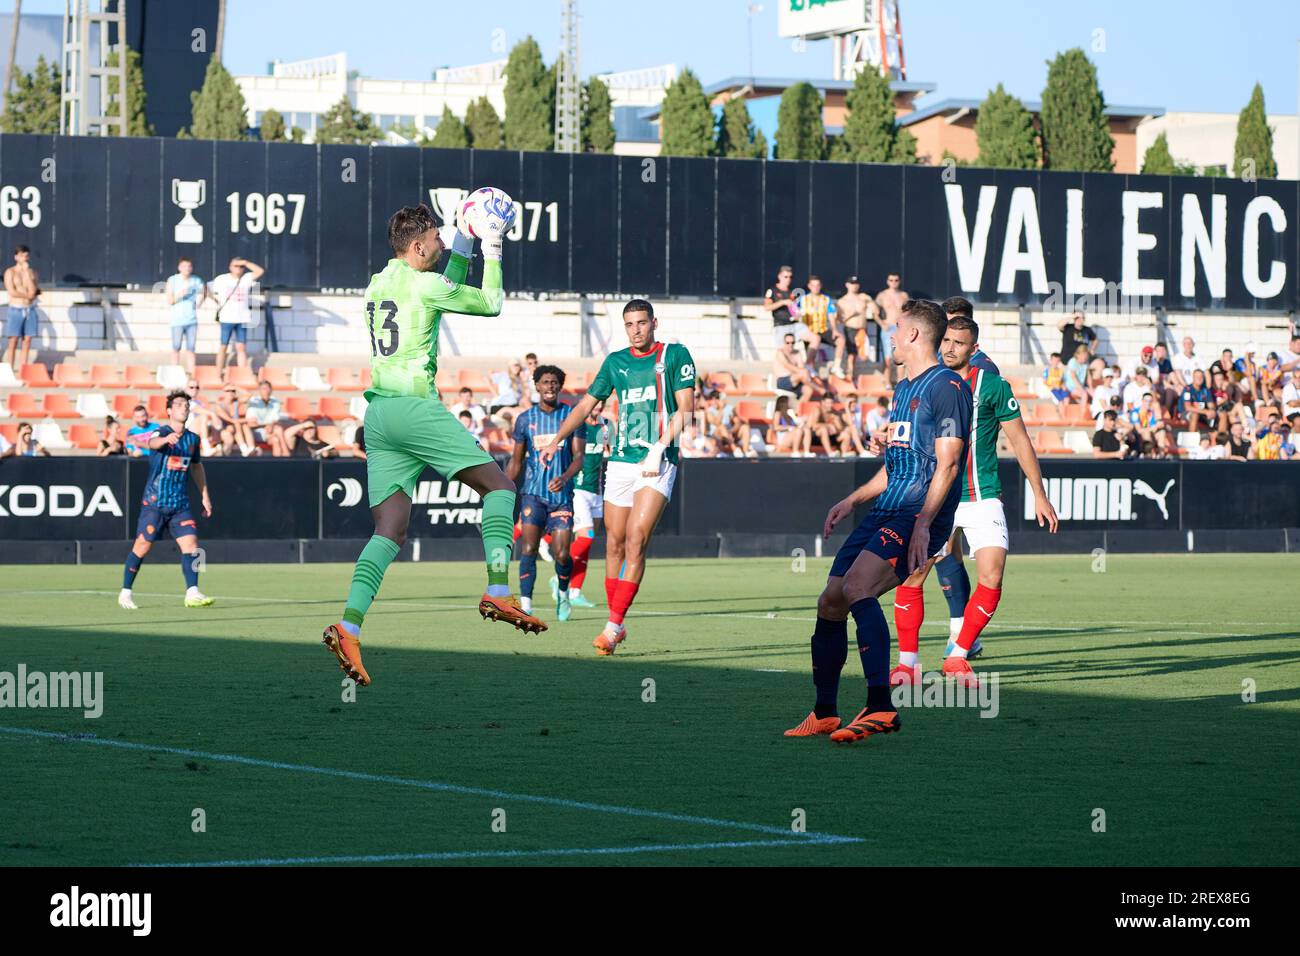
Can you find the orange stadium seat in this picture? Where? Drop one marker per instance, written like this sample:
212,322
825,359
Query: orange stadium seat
1048,442
723,381
1078,414
22,405
756,385
124,405
806,409
137,376
445,382
36,375
1019,388
72,376
157,406
299,408
10,431
334,408
85,437
58,405
363,377
106,376
474,379
242,376
330,434
754,413
208,377
279,378
342,380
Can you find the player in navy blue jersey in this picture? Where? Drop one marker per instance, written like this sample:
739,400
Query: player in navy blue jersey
546,495
166,502
914,497
951,568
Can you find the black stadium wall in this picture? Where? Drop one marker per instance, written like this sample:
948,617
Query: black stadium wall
123,210
85,509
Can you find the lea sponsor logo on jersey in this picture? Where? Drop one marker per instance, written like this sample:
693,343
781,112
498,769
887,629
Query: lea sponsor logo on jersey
647,393
1098,499
58,501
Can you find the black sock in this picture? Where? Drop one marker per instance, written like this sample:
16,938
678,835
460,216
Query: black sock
873,648
830,649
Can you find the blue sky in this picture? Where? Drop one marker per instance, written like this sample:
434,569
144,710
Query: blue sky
1178,54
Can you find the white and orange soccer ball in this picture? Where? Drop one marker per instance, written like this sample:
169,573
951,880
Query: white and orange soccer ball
487,210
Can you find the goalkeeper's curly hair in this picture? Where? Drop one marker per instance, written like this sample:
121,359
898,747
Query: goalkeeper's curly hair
409,222
551,370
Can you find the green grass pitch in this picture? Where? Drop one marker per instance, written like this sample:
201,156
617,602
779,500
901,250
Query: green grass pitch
1119,691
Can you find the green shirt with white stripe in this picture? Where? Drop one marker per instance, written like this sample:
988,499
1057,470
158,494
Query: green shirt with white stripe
647,387
994,404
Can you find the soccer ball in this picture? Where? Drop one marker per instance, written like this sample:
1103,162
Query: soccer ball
487,209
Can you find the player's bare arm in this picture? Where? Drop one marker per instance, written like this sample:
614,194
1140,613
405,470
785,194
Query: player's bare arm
948,454
201,482
1023,448
860,496
515,466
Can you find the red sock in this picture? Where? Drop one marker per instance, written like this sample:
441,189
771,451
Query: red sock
624,595
909,612
610,585
578,553
979,611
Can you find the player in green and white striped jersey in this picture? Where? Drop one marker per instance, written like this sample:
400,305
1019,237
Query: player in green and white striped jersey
980,514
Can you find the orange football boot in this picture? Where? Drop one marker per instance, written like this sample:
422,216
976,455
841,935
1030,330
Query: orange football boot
960,668
902,674
812,726
606,645
867,724
508,609
347,651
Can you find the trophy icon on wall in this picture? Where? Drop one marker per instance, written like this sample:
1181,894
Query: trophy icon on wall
189,195
446,202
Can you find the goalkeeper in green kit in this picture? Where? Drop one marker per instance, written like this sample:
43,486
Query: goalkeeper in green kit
408,427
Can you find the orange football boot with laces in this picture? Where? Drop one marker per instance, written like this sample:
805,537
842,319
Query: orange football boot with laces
347,651
508,609
867,724
902,674
813,726
606,645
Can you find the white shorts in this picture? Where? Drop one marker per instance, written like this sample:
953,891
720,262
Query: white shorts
587,507
623,480
985,525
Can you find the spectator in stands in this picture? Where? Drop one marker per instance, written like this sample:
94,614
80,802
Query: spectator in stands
232,291
230,421
26,445
1054,379
1226,398
510,388
1207,450
1291,394
819,312
878,417
110,442
891,300
1076,376
1236,444
138,435
472,426
303,441
263,420
1106,440
467,404
1270,378
1185,363
836,430
791,369
1291,361
711,421
779,301
1075,333
738,431
1146,420
497,433
24,287
1135,389
1104,394
696,444
859,312
1198,405
1271,445
185,293
786,435
359,443
6,449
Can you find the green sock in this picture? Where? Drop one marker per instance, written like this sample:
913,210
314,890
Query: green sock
375,558
498,534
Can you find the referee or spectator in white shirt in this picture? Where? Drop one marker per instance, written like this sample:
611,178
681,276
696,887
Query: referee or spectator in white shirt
232,292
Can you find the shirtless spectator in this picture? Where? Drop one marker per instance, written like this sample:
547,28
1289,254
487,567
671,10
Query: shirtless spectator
23,286
791,370
858,311
835,429
891,300
229,420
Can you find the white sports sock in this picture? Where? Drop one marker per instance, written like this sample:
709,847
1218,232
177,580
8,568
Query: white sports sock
614,630
527,604
192,591
575,592
958,651
498,590
908,658
954,627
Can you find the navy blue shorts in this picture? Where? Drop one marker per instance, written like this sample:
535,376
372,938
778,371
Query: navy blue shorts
888,537
234,330
154,521
537,511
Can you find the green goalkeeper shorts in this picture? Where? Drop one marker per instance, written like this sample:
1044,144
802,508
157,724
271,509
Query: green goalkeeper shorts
406,433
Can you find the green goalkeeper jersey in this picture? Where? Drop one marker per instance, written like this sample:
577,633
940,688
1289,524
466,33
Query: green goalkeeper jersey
994,404
403,311
646,386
